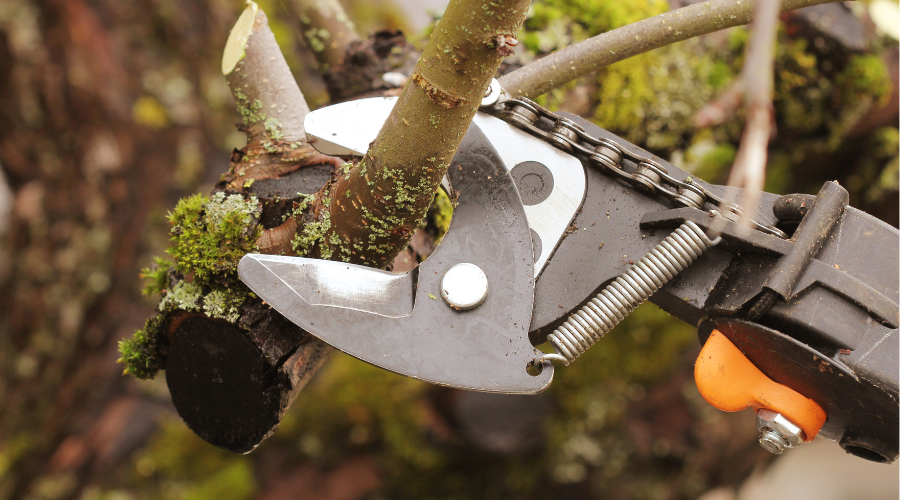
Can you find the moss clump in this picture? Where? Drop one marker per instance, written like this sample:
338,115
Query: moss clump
865,74
210,235
648,99
140,354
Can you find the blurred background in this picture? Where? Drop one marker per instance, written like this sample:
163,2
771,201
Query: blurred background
111,111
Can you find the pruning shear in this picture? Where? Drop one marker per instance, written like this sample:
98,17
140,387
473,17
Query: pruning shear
561,229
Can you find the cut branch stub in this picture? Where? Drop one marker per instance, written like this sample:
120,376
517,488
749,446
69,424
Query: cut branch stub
232,383
376,207
268,98
271,105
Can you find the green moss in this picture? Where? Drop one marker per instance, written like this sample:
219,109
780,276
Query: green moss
865,74
555,24
209,236
140,354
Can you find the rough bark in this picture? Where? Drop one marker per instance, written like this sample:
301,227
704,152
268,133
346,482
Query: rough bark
602,50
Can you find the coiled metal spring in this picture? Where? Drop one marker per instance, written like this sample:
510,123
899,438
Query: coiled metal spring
590,323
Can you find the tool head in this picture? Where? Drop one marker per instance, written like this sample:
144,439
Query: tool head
399,321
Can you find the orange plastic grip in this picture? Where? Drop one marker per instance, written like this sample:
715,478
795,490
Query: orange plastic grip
730,382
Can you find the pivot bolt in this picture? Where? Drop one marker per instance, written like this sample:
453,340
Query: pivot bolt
776,432
464,286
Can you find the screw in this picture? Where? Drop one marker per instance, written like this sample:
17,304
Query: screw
772,442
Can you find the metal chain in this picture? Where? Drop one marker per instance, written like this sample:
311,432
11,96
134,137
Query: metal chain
649,177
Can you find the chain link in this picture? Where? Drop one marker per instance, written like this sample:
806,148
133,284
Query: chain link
649,177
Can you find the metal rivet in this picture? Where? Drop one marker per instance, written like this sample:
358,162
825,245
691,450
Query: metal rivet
464,286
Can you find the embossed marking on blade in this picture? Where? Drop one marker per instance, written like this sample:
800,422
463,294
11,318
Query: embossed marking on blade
335,284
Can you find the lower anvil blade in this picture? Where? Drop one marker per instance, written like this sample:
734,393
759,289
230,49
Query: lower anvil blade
381,318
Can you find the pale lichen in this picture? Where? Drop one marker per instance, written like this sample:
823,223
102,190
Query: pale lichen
185,296
223,304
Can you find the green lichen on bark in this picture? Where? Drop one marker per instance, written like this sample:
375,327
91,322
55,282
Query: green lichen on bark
442,214
224,303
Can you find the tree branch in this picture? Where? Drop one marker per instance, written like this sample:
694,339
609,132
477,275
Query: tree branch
255,356
261,81
749,169
233,364
326,29
375,208
602,50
